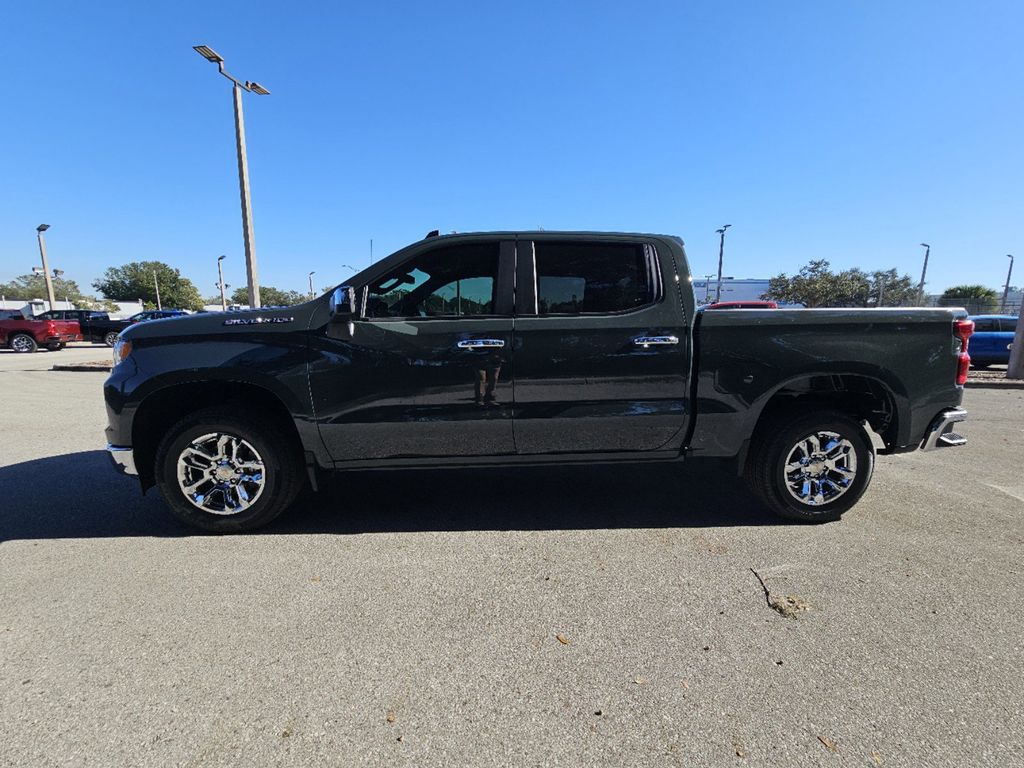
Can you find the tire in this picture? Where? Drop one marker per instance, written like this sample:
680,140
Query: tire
22,342
191,444
110,338
816,491
55,346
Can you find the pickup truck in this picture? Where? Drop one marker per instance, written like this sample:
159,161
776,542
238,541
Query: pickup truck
98,327
24,335
527,348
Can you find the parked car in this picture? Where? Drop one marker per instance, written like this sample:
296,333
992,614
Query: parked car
23,335
992,340
742,305
98,327
522,349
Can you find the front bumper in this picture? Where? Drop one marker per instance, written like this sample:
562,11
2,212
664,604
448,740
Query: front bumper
123,459
940,433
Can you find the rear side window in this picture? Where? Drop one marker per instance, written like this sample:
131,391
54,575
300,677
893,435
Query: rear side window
588,278
1008,325
986,325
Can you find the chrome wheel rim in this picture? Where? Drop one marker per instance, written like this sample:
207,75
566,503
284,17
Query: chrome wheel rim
21,343
111,339
820,468
221,473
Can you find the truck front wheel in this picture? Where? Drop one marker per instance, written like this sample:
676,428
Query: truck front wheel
810,467
221,470
110,339
22,342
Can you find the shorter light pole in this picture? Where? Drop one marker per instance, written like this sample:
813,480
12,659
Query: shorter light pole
46,267
707,288
1006,288
721,253
312,295
156,284
220,281
924,271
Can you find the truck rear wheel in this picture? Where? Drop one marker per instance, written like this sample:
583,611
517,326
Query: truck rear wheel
810,467
22,342
110,339
221,470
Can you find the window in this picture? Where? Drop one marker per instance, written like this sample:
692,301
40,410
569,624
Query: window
579,278
1007,324
986,325
446,282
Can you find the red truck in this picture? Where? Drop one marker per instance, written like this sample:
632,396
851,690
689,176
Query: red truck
23,335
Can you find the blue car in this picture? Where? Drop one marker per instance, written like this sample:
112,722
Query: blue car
993,335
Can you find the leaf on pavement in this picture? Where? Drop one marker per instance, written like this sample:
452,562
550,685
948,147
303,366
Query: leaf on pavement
562,639
830,745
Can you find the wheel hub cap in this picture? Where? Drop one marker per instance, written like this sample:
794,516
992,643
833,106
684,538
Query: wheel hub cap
820,468
221,473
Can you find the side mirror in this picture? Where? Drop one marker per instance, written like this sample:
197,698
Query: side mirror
343,304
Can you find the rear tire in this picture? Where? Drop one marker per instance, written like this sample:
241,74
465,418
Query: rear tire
22,342
221,470
56,346
110,339
829,457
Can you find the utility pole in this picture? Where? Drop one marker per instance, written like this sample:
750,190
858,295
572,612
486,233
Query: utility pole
1015,370
924,271
248,234
881,289
707,288
46,266
312,295
371,250
220,281
721,253
1006,288
156,284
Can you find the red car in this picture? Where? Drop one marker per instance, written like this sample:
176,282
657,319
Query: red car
743,305
23,335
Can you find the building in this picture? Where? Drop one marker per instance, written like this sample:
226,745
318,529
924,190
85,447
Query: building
743,289
32,307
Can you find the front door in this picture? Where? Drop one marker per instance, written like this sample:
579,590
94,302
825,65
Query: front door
427,370
601,356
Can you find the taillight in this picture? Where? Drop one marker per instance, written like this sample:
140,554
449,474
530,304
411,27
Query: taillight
963,329
51,328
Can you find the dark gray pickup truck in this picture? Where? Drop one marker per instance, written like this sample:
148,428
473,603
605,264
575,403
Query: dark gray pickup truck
527,348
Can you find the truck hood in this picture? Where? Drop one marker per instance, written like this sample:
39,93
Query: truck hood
226,323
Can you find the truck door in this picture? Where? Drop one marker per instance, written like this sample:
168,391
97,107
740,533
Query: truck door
601,347
427,370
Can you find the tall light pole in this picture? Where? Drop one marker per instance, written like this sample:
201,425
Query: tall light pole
311,294
1006,288
220,281
721,253
156,284
46,266
243,168
924,271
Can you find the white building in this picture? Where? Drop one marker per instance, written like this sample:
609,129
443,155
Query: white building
743,289
33,307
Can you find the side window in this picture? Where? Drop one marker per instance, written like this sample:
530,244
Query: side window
1006,324
453,281
985,325
582,278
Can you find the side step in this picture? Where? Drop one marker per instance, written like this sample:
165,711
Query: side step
940,434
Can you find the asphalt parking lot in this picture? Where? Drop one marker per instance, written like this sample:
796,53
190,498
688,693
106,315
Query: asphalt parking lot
602,616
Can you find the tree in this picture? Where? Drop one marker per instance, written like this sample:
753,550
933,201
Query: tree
269,296
33,286
135,281
816,285
975,298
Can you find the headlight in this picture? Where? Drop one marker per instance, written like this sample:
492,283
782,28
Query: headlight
122,348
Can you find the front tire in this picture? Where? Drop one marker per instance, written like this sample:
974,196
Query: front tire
110,339
222,471
23,343
811,467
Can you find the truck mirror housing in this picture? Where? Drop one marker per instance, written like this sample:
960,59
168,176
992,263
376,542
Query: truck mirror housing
343,304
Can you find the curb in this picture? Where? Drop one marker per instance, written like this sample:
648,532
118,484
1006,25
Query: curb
84,368
995,384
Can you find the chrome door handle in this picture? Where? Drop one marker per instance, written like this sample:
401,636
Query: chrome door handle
655,341
481,344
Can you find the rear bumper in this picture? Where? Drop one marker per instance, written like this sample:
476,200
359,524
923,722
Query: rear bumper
123,458
940,433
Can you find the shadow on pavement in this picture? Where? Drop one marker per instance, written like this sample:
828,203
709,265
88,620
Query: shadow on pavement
79,495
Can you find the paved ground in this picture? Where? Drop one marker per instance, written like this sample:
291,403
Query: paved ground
413,619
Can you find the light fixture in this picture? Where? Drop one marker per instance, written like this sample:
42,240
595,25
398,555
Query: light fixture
256,88
208,53
42,227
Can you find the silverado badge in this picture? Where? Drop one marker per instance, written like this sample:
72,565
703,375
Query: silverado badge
257,320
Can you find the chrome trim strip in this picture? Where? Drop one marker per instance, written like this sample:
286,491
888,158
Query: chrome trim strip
940,434
123,458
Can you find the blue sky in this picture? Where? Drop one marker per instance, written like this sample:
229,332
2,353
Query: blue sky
845,130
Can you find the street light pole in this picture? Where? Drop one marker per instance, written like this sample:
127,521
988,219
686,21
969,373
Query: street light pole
924,271
220,280
248,234
1006,288
156,284
721,253
46,266
311,294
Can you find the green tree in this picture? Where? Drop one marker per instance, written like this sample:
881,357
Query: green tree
34,287
269,296
135,281
975,298
816,285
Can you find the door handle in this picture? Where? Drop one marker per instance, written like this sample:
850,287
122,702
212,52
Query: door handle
655,341
481,344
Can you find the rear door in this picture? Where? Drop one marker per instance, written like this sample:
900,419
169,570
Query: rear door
601,347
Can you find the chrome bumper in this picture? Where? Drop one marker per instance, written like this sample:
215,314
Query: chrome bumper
123,459
940,434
